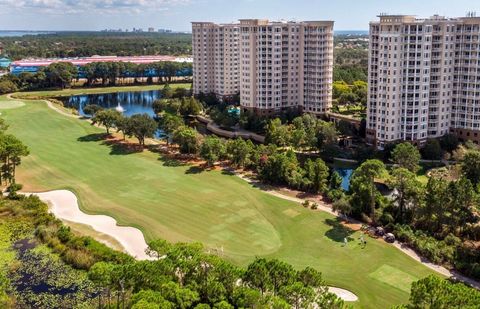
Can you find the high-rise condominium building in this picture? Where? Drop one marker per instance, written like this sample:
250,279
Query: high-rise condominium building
216,63
272,65
424,79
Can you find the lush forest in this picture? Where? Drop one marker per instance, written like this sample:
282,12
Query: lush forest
83,44
351,58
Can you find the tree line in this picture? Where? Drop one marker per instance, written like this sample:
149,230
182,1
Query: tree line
112,72
63,74
177,104
12,150
86,44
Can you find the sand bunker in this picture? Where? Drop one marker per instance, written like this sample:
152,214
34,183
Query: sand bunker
64,205
343,294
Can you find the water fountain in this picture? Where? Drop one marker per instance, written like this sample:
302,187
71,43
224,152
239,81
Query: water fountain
119,108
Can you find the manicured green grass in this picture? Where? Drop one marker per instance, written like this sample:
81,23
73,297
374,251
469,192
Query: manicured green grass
9,104
394,277
179,203
78,91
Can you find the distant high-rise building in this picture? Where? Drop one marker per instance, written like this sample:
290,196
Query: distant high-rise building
272,65
423,79
151,29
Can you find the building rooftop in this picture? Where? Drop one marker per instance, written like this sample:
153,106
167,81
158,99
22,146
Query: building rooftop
398,18
85,60
265,22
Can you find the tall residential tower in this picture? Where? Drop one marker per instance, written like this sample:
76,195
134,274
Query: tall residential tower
423,79
272,65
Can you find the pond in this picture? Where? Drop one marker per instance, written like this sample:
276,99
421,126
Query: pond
42,280
133,102
346,174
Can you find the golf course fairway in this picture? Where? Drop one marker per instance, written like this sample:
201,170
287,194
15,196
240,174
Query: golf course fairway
167,200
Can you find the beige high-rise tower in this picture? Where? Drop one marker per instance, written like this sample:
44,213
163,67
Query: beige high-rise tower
423,78
215,58
272,65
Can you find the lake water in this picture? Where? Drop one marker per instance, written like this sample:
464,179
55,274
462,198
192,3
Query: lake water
138,102
346,174
135,102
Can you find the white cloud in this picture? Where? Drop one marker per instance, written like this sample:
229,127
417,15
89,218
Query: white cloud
81,6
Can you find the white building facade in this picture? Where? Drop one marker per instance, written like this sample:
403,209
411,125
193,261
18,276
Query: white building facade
423,79
272,65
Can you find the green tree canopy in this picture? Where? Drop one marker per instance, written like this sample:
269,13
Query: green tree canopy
92,109
363,189
240,151
276,133
11,152
142,126
188,139
407,156
212,149
408,193
107,118
435,292
470,166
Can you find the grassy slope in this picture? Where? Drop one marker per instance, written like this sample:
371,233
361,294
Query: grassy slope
78,91
171,202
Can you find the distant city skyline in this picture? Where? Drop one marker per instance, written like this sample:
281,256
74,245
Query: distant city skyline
96,15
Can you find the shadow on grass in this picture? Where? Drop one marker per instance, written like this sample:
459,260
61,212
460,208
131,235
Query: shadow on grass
195,170
338,232
117,147
95,137
228,172
171,162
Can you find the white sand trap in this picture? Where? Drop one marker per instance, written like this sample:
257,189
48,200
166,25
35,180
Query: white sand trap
64,205
343,294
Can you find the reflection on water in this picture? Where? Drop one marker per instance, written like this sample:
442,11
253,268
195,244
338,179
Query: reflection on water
130,103
346,174
42,280
137,102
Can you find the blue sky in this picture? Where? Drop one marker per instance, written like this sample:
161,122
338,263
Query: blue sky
177,14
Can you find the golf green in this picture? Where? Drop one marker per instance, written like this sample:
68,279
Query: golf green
178,203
